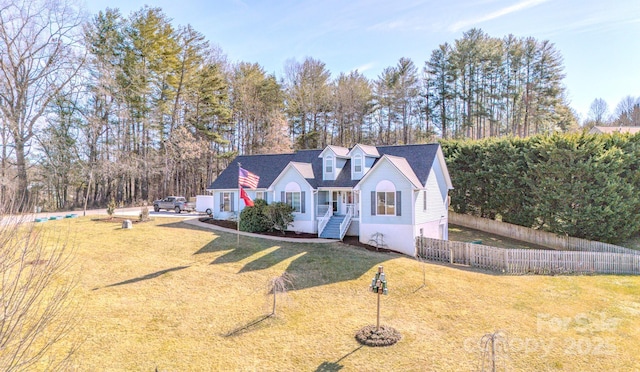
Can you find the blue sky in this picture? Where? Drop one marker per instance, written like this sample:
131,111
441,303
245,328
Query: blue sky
599,40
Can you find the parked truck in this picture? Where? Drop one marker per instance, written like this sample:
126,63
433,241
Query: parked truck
176,203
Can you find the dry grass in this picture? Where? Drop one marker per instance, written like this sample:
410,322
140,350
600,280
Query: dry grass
168,296
465,234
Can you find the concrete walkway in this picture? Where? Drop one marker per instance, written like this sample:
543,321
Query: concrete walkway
195,222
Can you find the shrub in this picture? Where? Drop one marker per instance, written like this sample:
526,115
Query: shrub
252,219
111,207
279,215
144,214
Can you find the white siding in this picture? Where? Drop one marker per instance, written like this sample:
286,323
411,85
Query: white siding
354,228
436,207
400,238
433,229
304,226
442,183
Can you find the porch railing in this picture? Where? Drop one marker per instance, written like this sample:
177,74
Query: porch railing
355,210
325,218
344,225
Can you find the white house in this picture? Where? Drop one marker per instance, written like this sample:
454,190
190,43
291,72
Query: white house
385,195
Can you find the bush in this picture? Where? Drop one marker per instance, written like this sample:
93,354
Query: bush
111,207
252,219
144,214
279,215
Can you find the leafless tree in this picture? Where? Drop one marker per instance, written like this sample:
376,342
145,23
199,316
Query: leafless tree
279,284
598,112
628,112
39,40
275,137
37,309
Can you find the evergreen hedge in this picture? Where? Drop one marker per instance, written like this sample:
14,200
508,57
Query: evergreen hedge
581,185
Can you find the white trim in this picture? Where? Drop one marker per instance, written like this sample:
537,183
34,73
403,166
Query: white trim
333,150
443,165
359,146
372,170
284,171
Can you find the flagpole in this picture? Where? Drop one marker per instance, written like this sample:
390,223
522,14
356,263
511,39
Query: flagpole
238,219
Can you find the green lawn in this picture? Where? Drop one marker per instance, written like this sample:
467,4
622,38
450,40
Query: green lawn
167,295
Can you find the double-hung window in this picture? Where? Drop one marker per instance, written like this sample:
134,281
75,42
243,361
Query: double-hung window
293,199
357,164
386,203
226,202
328,165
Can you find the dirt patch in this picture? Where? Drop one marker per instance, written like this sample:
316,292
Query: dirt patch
385,336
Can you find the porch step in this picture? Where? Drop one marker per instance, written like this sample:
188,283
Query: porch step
332,230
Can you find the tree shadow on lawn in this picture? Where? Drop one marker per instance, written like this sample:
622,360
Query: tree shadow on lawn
336,366
312,265
247,327
318,263
144,277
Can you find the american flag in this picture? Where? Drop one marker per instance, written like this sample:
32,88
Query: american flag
247,179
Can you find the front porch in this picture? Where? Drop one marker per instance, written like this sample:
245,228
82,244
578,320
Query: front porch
336,209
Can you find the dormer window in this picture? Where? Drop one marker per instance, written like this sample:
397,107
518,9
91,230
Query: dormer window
328,165
357,164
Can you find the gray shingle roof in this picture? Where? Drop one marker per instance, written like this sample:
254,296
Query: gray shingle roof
268,167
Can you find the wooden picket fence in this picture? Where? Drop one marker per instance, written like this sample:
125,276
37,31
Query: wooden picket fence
527,261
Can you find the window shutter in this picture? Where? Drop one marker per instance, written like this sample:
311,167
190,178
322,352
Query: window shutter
233,204
424,200
221,202
398,204
302,202
282,196
373,203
